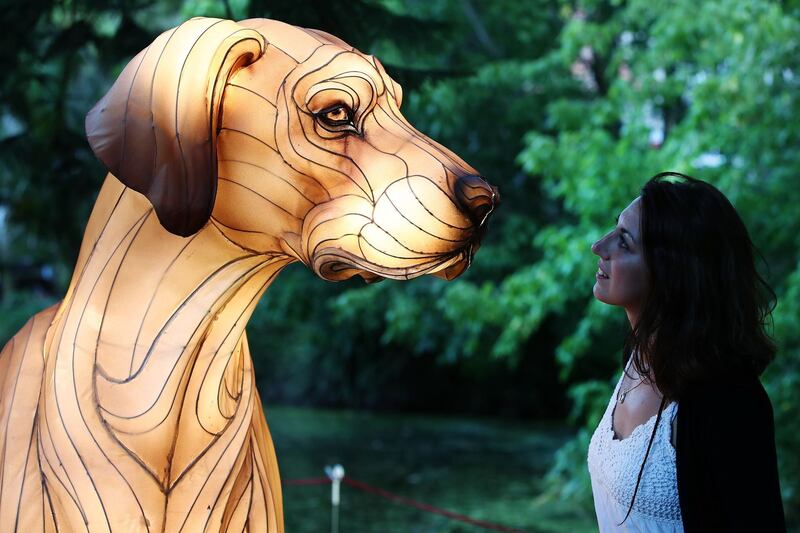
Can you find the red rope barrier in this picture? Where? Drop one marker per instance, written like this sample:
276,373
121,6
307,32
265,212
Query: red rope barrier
360,485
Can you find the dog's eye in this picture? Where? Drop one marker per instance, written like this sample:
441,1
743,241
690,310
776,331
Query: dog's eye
339,117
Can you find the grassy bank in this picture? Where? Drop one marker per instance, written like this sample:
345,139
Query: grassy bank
483,468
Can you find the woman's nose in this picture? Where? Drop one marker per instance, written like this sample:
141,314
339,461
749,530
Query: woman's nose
597,247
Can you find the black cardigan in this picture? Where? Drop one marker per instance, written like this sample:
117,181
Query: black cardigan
726,462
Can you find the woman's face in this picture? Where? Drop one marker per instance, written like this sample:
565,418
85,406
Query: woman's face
622,277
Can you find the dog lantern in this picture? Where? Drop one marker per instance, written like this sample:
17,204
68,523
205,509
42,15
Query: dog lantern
233,150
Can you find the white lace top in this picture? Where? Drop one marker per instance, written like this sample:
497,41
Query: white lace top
614,466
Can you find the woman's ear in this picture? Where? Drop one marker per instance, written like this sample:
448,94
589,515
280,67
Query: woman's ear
156,128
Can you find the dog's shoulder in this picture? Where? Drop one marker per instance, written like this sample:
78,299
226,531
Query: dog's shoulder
22,363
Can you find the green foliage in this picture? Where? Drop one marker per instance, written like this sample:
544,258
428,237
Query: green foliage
783,384
17,307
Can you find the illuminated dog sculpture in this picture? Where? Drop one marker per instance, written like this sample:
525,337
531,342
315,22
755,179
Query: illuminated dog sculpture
131,405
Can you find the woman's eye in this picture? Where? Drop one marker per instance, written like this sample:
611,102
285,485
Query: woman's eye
622,242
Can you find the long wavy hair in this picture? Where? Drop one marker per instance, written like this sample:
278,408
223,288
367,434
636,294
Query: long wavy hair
706,314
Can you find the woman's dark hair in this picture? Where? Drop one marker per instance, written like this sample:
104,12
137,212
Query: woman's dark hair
707,308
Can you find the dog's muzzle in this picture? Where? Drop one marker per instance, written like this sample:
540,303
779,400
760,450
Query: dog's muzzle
473,197
478,200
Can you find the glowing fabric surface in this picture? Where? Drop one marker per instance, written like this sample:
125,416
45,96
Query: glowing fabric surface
234,149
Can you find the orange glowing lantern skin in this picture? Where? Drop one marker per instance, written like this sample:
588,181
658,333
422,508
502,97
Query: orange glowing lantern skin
233,150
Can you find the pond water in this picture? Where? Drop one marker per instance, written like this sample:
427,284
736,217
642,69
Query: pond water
486,469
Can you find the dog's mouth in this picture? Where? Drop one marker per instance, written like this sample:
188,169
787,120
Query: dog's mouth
335,264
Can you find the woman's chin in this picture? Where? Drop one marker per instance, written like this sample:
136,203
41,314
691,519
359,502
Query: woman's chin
599,293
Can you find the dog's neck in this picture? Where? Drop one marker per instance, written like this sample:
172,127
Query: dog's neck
152,333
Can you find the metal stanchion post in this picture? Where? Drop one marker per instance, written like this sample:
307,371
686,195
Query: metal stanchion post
336,474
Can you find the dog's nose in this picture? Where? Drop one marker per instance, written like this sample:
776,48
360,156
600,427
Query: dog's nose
476,197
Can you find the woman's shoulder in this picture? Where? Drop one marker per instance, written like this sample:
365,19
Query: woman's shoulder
726,458
725,407
725,392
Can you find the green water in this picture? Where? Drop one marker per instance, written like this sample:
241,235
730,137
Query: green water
482,468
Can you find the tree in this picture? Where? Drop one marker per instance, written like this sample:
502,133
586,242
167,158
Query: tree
704,89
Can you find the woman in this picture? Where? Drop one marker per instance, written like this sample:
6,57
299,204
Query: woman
687,441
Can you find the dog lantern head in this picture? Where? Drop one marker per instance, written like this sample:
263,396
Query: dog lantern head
288,140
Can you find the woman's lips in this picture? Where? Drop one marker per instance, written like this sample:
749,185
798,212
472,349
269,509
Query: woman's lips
600,273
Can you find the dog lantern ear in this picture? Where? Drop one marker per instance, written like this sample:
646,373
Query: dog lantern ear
156,129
